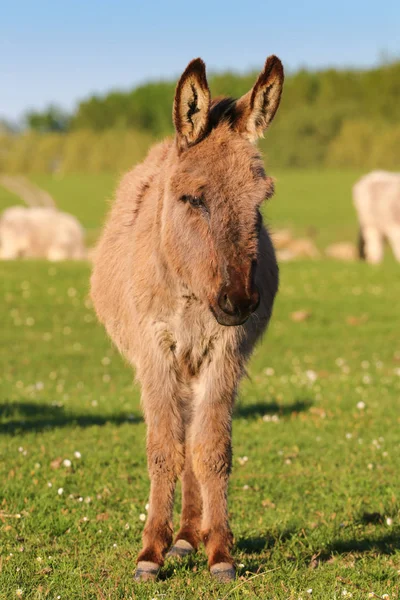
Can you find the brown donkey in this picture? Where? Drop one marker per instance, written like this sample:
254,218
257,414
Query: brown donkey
183,255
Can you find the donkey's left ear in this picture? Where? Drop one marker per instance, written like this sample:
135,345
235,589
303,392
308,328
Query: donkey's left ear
257,108
191,104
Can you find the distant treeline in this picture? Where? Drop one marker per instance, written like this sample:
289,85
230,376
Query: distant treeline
327,118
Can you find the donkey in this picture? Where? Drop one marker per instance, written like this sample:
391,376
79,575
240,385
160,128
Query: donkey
376,197
184,281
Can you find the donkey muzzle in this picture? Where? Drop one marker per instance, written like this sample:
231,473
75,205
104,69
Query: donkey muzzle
235,305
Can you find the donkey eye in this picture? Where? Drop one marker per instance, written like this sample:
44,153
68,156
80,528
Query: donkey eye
194,201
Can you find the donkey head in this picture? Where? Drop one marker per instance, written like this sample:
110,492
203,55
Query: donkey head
211,220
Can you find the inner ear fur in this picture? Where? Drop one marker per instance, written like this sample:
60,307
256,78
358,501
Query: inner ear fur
191,104
257,108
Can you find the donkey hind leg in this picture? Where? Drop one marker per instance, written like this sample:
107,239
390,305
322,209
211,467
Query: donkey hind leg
188,538
373,245
165,457
393,236
210,438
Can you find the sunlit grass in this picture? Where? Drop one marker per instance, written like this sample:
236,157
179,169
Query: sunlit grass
314,496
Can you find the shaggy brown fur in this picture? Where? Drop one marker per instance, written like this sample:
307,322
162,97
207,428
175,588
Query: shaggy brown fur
183,255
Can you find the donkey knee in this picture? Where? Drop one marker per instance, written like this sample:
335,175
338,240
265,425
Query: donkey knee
212,463
165,462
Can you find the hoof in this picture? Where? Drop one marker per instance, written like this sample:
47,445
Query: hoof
180,549
223,572
146,571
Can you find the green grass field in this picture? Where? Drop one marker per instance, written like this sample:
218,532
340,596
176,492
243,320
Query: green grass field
314,506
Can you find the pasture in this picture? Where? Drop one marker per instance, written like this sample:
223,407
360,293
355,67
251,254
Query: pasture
314,494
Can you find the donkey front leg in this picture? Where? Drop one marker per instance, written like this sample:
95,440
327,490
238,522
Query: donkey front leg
210,439
165,457
188,537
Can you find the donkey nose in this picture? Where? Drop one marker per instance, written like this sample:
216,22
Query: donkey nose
236,303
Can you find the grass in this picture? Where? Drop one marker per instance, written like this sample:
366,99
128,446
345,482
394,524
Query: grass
315,506
316,503
8,199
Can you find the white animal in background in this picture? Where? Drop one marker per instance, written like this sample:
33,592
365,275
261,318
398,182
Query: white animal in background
376,197
40,232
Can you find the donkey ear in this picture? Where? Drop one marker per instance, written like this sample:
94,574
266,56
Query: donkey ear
191,104
257,108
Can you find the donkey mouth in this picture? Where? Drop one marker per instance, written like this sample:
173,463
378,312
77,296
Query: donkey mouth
228,320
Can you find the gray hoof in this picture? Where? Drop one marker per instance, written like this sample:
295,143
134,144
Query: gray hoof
180,549
146,571
223,572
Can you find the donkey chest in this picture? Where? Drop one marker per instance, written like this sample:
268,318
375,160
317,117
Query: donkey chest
189,341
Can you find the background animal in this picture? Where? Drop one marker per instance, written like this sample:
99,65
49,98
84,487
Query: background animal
184,281
40,232
376,197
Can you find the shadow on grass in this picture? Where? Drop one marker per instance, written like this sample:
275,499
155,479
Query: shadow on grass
384,544
259,409
18,417
258,544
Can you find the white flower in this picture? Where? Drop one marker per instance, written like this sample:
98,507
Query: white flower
309,591
246,487
389,521
243,460
361,405
77,454
271,418
269,371
142,517
67,462
147,506
311,375
60,491
349,436
19,593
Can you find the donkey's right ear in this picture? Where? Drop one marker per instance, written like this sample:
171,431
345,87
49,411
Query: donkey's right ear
191,105
257,108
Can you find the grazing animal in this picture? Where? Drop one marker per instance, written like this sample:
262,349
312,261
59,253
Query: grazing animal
376,197
184,281
40,232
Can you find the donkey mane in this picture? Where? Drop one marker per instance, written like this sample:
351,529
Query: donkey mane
222,109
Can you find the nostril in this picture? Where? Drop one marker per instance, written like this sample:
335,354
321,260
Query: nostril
226,304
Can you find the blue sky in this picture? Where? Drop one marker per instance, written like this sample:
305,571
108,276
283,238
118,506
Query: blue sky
63,51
